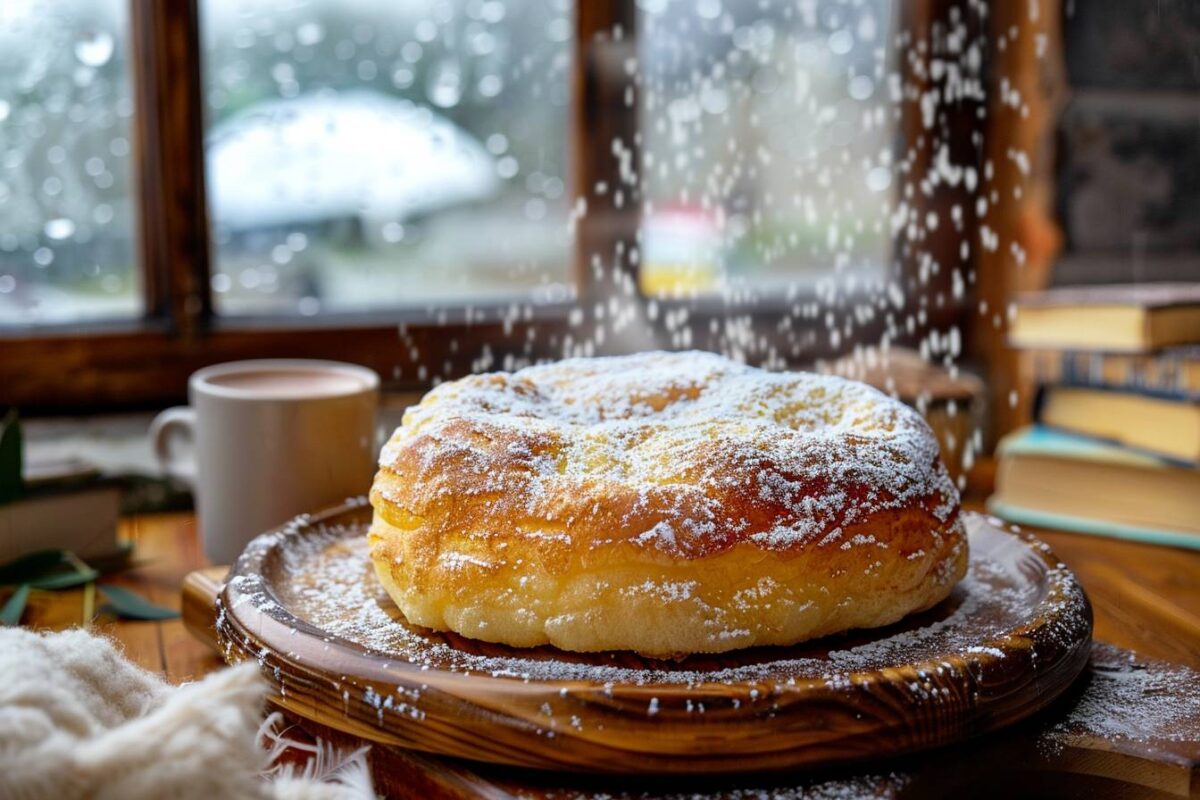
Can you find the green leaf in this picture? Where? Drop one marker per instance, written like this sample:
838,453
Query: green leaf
11,481
47,569
130,605
10,615
32,565
64,580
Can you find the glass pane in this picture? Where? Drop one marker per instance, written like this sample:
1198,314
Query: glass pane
767,141
381,153
67,211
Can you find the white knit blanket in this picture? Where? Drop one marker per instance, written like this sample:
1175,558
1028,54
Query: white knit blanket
77,720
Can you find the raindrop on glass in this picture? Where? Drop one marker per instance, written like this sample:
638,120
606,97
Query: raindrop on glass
402,77
714,101
490,85
444,86
507,167
59,228
95,48
310,33
879,179
861,87
709,9
841,42
393,232
425,31
492,11
497,143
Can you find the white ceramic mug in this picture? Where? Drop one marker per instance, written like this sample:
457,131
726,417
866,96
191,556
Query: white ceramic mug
270,439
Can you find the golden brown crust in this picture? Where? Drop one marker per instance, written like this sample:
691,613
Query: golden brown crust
663,503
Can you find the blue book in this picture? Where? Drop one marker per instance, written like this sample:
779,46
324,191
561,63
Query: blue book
1052,479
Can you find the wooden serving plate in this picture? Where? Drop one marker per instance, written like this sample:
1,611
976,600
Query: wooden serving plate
304,602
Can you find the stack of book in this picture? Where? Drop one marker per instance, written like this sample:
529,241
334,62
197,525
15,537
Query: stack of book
54,504
1115,446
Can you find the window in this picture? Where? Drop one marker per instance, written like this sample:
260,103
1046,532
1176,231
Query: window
768,136
438,186
385,154
67,216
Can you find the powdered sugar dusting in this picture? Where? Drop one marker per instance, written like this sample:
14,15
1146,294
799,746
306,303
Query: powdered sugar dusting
858,787
1130,700
689,453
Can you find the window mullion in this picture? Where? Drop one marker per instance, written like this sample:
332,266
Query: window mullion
170,140
605,115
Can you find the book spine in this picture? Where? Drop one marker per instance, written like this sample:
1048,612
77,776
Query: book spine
1163,375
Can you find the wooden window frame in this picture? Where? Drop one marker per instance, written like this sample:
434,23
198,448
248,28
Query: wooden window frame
146,363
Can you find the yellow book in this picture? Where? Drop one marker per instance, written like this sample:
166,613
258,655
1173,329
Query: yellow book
1116,318
1166,426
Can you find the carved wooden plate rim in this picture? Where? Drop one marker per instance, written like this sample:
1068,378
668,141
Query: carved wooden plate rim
605,726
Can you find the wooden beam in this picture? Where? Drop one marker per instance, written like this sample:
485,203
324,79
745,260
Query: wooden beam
1028,88
170,147
604,116
929,260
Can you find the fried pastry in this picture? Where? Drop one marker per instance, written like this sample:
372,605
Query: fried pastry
664,503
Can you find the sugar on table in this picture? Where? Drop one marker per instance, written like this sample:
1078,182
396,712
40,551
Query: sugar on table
1090,736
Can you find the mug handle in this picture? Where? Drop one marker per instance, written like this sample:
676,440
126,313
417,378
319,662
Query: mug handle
163,432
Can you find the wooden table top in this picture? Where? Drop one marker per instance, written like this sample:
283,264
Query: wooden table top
1146,597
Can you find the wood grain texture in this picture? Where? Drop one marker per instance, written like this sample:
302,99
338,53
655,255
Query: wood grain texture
170,148
1059,753
1055,754
1027,62
1171,574
198,603
111,367
603,111
784,707
165,551
1146,598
